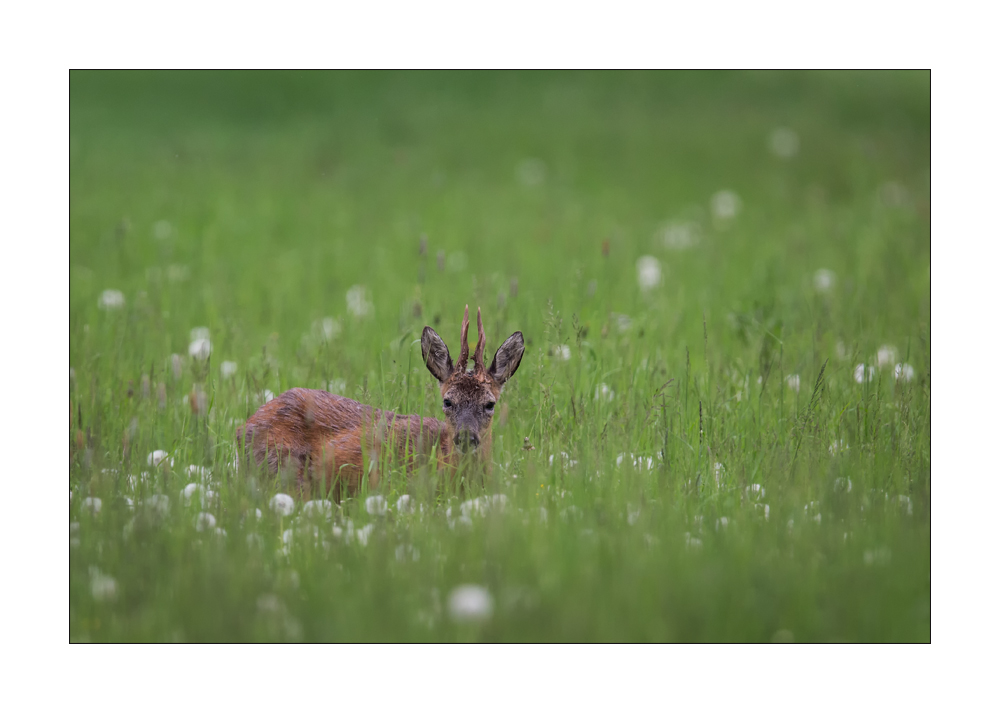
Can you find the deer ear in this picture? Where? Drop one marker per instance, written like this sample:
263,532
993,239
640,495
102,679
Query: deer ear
508,358
435,353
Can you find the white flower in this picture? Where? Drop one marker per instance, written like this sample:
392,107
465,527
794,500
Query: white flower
824,280
904,501
904,372
376,505
204,521
228,369
603,392
793,381
531,172
157,457
470,603
680,235
404,504
783,142
692,543
864,373
102,587
562,352
755,491
176,366
726,205
268,395
765,507
638,462
842,485
283,504
648,272
200,472
111,299
363,534
92,504
358,302
722,522
720,472
189,490
200,333
886,355
842,351
336,386
200,349
318,508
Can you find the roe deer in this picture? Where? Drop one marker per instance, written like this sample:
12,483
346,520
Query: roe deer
326,438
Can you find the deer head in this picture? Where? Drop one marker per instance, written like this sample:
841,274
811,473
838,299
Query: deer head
469,397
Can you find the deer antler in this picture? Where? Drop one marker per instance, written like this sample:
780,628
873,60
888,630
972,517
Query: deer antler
477,358
463,354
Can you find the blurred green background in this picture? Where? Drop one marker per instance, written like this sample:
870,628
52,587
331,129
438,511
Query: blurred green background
676,235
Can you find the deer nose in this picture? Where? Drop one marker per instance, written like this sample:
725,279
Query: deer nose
467,440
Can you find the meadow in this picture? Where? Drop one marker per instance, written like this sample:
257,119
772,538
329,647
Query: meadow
723,280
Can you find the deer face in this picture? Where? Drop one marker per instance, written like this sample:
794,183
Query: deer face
469,397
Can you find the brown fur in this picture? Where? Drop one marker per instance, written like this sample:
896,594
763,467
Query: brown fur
328,440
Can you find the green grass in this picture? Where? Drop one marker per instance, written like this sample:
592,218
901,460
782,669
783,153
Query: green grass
251,203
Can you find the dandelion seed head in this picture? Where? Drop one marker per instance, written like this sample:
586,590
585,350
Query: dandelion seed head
111,299
204,521
282,504
376,505
102,587
157,457
470,603
886,355
318,508
200,349
648,272
726,205
824,280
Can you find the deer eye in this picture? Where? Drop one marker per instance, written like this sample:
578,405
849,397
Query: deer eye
448,403
490,405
